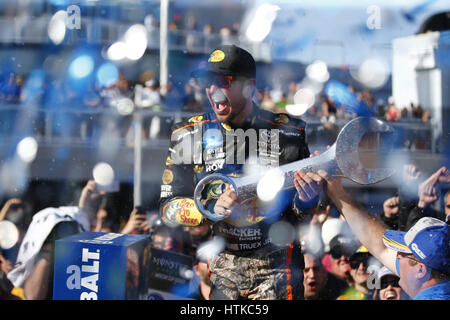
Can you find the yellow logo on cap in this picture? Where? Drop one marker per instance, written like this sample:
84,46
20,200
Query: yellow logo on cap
216,56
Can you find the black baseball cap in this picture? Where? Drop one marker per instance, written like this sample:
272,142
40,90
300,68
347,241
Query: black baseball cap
343,245
229,60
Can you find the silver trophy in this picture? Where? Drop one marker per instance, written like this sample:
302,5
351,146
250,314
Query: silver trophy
343,158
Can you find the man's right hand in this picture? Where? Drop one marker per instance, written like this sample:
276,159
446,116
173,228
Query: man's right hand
228,203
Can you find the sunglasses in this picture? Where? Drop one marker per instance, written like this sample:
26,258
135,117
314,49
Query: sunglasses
356,261
407,256
220,81
393,283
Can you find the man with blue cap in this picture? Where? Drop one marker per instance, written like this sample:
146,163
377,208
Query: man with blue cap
420,257
423,255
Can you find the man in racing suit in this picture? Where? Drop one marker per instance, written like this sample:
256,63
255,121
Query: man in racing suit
251,266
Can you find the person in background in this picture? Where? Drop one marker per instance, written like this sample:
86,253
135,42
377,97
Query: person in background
195,236
280,106
447,205
407,194
389,288
104,222
311,237
164,237
320,284
8,207
341,249
267,103
33,271
393,113
428,193
15,211
203,283
148,96
137,222
389,216
420,256
358,264
7,290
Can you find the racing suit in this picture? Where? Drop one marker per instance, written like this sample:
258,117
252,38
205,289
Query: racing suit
251,266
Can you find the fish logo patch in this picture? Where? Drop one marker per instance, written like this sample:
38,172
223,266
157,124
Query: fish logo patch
216,56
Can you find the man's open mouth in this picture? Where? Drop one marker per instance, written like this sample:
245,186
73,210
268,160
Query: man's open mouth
220,101
312,285
222,108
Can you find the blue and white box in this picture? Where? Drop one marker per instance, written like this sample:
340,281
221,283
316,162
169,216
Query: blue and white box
101,266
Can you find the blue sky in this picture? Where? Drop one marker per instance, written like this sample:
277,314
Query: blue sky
337,33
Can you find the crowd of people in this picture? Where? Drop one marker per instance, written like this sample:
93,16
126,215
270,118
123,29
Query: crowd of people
81,113
336,265
76,110
100,214
326,108
334,261
334,253
188,32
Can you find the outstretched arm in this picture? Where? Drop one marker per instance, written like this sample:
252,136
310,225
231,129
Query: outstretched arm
7,206
367,228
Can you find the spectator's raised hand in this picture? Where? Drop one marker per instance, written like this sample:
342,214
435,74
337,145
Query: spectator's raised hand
444,176
320,215
136,223
391,207
7,207
90,198
411,173
428,191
